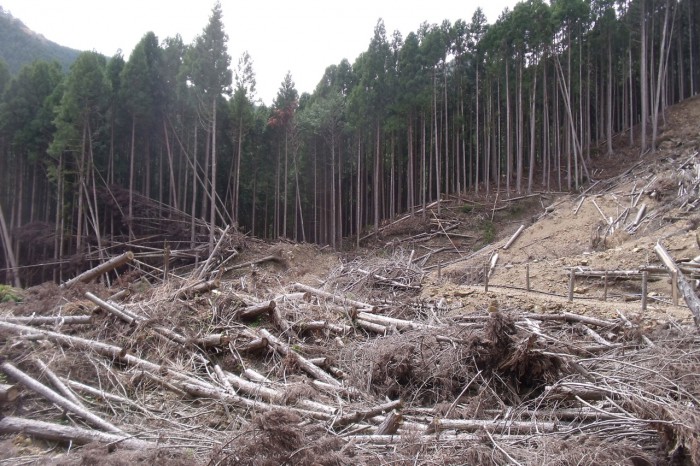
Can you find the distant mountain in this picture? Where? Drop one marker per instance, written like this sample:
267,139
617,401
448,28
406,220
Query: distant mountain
20,46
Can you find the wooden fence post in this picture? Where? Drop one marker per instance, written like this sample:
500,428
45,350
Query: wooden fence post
572,279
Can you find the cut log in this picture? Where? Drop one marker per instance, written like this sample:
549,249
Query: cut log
391,424
506,427
253,345
57,399
514,237
58,383
211,392
304,363
8,393
199,288
251,312
363,414
111,351
334,297
61,433
691,299
255,262
105,267
111,308
51,320
400,324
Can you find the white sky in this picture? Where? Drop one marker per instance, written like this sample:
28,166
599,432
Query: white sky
302,36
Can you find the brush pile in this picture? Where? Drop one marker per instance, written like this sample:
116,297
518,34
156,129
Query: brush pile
235,365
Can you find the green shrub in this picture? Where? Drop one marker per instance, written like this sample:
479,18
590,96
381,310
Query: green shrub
9,294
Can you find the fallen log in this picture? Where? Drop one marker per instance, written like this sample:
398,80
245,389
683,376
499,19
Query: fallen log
111,351
255,262
199,288
514,237
304,363
391,424
363,414
400,324
333,297
691,299
251,312
51,320
58,383
507,427
61,433
105,267
111,308
213,393
57,399
8,393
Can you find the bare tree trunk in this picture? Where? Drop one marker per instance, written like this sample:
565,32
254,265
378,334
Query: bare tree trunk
212,200
643,77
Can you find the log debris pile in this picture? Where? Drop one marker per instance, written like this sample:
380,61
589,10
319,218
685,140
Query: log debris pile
220,369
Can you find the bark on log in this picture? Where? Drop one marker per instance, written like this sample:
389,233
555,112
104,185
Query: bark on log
111,308
111,351
57,399
8,393
569,317
334,297
274,396
58,383
208,341
51,320
253,345
304,363
101,394
473,425
514,237
691,299
400,324
199,288
56,432
210,392
363,414
390,425
251,312
105,267
372,327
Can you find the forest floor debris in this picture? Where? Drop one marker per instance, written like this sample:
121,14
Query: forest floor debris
394,353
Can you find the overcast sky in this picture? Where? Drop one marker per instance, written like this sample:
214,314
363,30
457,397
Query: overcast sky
302,36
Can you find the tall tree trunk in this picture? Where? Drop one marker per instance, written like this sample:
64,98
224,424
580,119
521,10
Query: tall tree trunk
212,200
643,77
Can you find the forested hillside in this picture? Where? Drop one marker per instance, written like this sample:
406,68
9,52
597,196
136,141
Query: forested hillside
21,46
172,143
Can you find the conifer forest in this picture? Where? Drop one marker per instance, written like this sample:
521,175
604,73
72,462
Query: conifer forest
171,145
